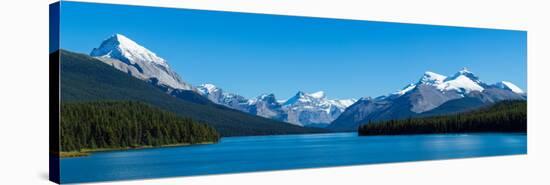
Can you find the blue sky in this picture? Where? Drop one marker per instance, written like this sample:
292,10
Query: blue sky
251,54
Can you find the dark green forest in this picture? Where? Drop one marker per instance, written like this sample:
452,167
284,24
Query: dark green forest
84,79
505,116
126,124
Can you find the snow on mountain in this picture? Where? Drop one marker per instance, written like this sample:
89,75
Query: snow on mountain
509,86
210,91
120,46
306,109
434,89
302,109
431,78
343,103
405,89
461,84
318,94
310,109
218,96
136,60
207,88
314,109
432,94
463,81
265,105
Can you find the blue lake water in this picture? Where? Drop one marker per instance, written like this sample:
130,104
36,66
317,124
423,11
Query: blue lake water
260,153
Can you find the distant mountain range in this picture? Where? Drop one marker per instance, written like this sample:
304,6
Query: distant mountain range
302,109
433,94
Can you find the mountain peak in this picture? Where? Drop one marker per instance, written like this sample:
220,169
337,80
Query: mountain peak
124,49
463,81
318,94
128,56
124,41
509,86
300,94
121,38
405,89
115,41
304,95
431,78
301,97
431,73
209,85
207,88
267,96
118,35
465,72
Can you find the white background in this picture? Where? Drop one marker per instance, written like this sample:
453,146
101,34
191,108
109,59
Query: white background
24,90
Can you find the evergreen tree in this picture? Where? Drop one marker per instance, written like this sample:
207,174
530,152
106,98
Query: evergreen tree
122,124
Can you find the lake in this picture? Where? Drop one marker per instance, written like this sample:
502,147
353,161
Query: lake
260,153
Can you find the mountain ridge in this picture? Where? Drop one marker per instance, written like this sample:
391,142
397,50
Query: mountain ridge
427,94
425,97
293,110
129,57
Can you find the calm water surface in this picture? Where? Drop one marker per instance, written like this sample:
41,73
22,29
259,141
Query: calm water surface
258,153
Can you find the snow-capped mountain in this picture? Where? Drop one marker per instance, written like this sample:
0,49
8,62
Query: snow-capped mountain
343,103
463,81
313,109
433,94
302,109
435,89
218,96
211,92
509,86
126,55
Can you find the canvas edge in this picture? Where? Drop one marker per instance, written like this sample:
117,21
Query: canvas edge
54,29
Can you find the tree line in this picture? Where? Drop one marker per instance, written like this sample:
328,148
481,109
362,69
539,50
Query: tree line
124,124
505,116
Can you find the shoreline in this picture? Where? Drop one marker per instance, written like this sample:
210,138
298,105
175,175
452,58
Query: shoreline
435,133
87,152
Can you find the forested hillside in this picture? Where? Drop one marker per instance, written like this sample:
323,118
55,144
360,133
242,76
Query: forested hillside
126,124
84,78
505,116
